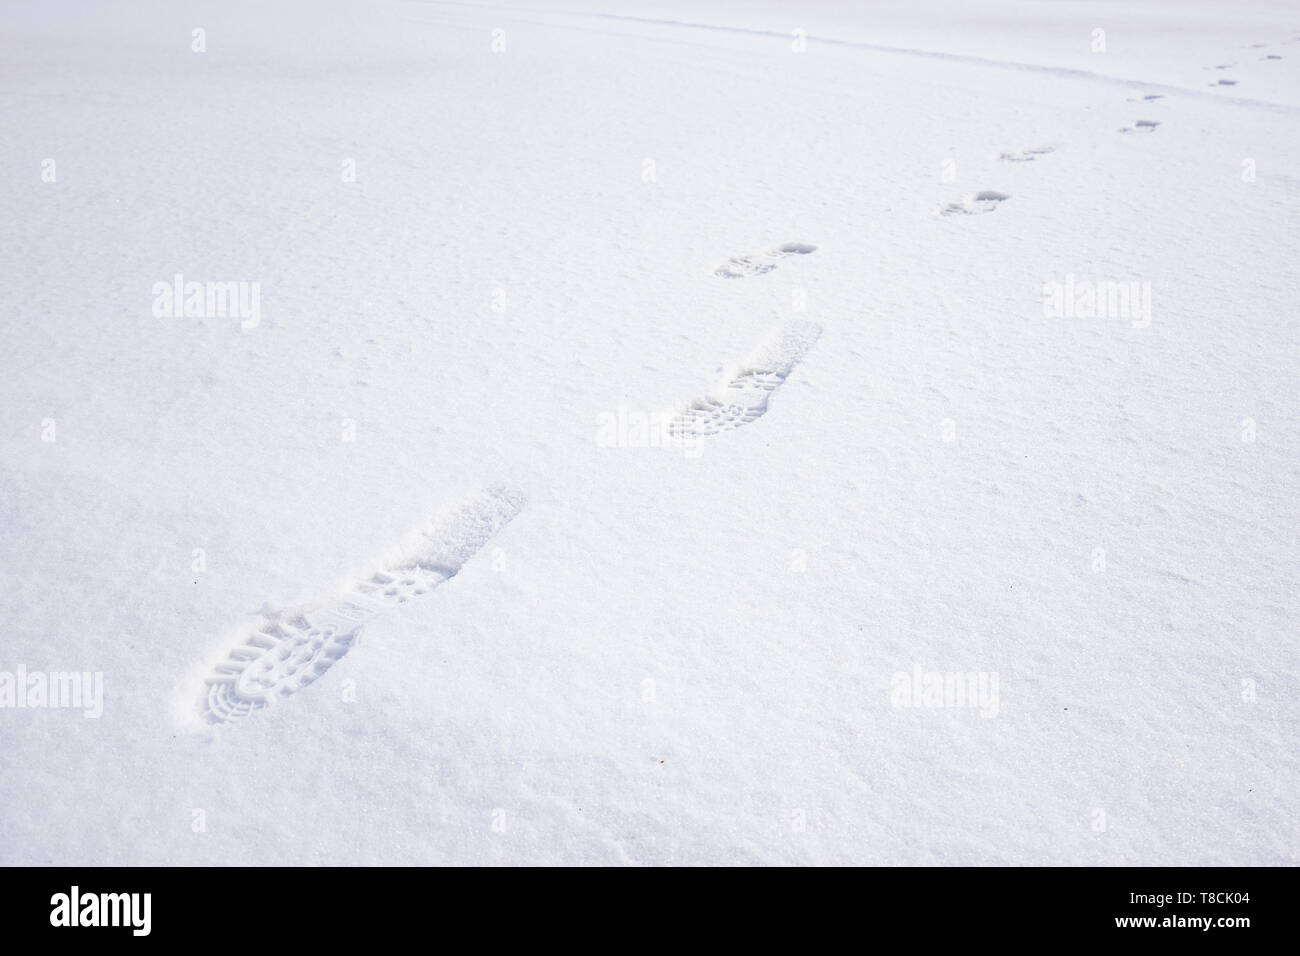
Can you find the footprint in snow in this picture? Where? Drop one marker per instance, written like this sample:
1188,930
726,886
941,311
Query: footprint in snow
287,650
744,398
984,201
742,267
1027,155
1141,126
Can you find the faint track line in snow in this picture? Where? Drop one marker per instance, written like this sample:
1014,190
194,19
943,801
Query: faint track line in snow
745,397
1070,72
967,58
289,650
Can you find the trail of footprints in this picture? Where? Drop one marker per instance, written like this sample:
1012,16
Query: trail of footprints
988,200
1149,126
1228,81
288,650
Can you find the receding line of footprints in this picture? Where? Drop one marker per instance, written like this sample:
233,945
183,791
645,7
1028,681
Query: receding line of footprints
289,649
1225,81
988,200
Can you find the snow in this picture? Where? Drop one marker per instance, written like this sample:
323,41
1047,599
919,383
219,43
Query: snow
677,651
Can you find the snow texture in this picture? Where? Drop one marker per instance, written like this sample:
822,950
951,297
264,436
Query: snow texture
987,555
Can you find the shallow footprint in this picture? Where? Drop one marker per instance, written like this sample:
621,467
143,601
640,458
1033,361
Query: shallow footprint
1141,126
986,200
1027,155
742,267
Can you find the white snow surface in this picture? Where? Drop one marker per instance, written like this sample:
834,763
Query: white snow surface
672,654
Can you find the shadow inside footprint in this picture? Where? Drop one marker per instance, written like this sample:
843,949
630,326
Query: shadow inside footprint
1141,126
986,200
742,267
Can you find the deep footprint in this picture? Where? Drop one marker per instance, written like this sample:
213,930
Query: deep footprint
288,650
984,201
745,398
742,267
